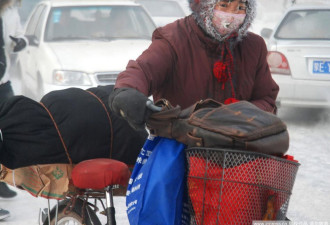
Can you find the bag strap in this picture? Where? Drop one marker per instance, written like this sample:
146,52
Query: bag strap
207,103
176,111
58,131
109,118
160,123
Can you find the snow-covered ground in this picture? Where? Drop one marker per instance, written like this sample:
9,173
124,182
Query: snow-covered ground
309,131
24,209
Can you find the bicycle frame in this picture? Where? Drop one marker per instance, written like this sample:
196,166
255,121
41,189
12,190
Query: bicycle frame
84,195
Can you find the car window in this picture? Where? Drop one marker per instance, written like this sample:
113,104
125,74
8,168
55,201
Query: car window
305,24
31,26
40,22
162,8
142,22
98,22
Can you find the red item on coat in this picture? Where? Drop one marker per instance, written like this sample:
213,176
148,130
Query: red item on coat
230,100
224,68
219,71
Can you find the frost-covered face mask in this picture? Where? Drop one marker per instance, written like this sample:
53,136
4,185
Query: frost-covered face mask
225,23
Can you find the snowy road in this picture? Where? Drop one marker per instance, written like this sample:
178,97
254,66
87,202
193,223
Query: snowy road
309,142
24,209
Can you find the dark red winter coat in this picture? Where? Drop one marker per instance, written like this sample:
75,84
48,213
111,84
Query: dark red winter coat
178,66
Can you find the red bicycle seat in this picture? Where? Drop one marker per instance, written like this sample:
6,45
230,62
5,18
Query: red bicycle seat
100,173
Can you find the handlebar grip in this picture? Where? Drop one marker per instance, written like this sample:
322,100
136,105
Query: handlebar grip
150,105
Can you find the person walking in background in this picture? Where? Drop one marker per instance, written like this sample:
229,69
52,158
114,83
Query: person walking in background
11,40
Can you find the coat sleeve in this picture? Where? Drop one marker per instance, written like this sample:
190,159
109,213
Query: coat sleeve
265,89
151,69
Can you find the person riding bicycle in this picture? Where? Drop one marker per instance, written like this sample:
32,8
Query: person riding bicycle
208,54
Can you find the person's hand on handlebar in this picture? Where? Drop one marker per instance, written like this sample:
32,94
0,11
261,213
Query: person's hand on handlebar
130,104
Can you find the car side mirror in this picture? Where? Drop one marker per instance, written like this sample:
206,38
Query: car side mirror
266,32
33,41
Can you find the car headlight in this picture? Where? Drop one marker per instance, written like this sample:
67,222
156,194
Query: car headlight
66,77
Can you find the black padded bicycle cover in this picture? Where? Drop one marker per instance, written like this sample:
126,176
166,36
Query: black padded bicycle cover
30,136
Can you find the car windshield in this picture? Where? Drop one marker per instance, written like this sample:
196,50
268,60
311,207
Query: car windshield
305,24
98,23
162,8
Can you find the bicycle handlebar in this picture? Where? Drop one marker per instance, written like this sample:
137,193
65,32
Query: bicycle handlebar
150,105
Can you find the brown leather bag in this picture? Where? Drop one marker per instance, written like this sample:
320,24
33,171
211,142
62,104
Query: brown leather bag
208,123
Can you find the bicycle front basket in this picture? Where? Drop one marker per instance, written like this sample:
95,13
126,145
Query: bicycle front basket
237,187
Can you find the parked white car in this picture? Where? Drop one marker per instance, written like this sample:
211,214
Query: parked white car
164,11
299,56
81,43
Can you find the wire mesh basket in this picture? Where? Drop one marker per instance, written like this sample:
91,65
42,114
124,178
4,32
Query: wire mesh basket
237,187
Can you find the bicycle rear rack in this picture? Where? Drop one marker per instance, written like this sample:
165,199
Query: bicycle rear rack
93,179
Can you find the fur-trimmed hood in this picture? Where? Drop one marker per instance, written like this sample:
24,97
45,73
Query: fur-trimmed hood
203,14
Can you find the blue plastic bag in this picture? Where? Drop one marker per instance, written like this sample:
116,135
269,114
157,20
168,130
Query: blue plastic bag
155,194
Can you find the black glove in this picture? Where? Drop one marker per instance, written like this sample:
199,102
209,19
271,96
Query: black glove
130,104
20,43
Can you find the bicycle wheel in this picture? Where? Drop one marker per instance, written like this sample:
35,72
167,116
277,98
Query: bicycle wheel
73,217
